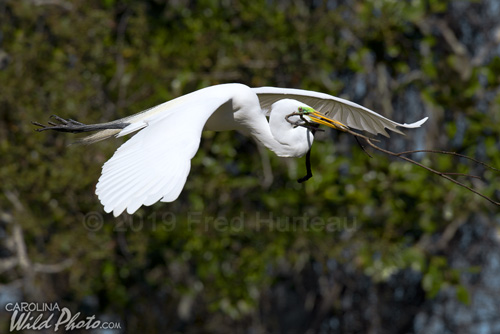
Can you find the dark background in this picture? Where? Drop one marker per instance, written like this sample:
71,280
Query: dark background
368,245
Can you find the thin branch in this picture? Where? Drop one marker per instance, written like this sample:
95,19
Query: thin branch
452,153
362,147
63,4
52,268
401,155
309,125
443,175
463,174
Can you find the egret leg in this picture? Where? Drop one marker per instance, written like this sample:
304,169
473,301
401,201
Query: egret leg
308,168
313,128
70,125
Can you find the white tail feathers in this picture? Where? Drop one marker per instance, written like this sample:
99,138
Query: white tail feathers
98,136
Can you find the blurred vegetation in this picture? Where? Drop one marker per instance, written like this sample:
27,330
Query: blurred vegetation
209,261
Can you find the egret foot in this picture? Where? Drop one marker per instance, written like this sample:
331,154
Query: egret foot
70,125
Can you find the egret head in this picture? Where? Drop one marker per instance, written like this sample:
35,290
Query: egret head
317,117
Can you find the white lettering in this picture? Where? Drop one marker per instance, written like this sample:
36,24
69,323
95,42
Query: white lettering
63,318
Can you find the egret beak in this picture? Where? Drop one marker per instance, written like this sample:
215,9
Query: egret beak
319,118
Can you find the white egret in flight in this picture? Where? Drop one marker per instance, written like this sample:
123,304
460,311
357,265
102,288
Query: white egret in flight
154,164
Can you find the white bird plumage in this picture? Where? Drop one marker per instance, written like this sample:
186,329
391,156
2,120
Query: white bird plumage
154,164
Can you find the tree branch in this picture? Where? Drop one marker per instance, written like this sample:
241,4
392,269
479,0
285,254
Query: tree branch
401,155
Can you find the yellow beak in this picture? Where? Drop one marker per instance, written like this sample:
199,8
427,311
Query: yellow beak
318,118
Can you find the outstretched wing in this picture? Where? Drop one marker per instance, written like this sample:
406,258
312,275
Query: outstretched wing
344,111
153,165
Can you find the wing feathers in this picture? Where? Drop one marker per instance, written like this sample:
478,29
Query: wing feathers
154,164
347,112
416,124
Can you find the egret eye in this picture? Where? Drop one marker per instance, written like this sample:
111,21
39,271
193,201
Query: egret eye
305,110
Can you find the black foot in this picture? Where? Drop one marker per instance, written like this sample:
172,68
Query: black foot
64,125
305,178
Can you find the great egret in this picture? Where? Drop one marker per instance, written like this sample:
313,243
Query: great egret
153,165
